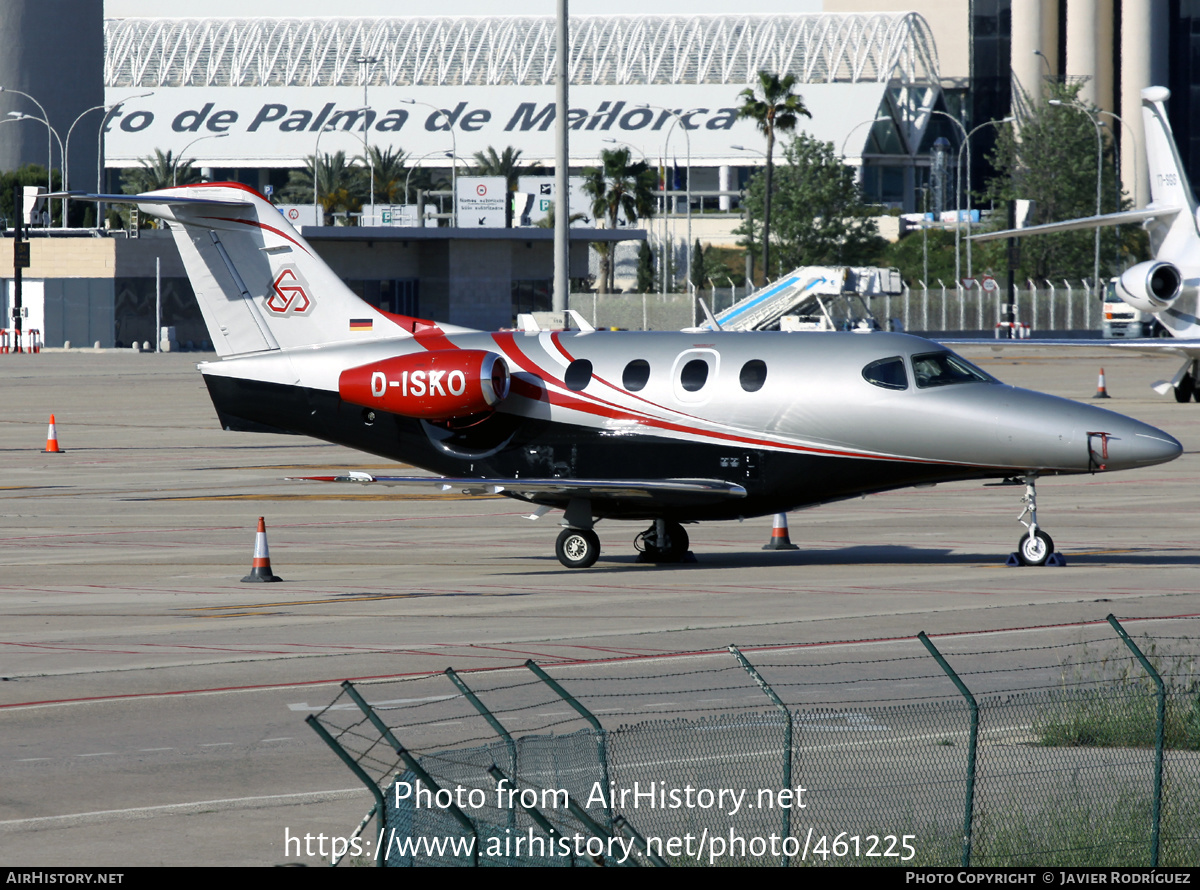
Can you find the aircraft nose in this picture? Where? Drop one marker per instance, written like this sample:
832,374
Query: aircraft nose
1137,444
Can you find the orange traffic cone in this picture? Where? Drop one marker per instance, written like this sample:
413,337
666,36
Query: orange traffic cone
261,570
52,439
1101,389
779,535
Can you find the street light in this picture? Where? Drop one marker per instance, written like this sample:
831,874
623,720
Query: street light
49,145
21,116
175,163
363,62
749,227
957,195
679,119
454,157
100,150
1059,103
967,145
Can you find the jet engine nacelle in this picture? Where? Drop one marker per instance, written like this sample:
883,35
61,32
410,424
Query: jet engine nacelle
440,385
1150,286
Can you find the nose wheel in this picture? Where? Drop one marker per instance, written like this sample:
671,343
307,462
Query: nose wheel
1036,547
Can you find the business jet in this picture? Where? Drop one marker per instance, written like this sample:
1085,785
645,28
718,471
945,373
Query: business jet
661,427
1167,286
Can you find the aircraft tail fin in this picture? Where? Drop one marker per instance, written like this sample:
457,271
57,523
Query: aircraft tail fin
259,284
1169,184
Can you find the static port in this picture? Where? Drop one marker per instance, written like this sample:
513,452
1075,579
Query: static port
368,416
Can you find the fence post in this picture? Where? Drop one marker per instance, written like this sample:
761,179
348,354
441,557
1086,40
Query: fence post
411,762
1032,303
787,739
972,743
924,307
907,301
601,747
534,813
495,725
943,286
962,305
1160,731
1053,295
379,810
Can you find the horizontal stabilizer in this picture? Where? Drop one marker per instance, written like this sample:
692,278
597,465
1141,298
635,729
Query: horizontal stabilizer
157,198
1087,222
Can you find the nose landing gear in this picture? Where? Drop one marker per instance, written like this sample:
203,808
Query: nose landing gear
1035,547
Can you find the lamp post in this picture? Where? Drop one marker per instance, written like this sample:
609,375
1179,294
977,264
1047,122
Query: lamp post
416,164
49,145
175,163
100,151
454,157
750,227
21,116
363,62
1099,162
967,145
680,119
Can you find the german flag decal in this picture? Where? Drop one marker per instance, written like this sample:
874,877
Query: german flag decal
361,324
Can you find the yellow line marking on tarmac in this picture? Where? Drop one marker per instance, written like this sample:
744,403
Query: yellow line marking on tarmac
325,602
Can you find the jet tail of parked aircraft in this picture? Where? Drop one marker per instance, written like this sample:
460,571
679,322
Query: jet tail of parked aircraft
260,285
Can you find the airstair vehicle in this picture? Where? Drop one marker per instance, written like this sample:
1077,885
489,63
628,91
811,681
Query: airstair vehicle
814,298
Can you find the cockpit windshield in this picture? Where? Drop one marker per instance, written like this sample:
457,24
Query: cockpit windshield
945,369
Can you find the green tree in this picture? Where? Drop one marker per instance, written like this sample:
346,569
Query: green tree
618,188
506,164
645,269
30,174
388,169
340,186
1050,158
774,108
158,172
820,215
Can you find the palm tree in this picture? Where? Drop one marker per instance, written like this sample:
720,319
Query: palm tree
389,170
506,164
773,107
617,188
158,172
339,185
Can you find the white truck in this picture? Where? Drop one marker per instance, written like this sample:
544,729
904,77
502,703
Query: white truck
1122,321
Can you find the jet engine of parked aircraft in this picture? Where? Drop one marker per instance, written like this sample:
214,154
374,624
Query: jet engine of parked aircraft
661,427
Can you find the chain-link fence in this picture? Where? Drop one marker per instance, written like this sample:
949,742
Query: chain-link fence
939,754
1042,308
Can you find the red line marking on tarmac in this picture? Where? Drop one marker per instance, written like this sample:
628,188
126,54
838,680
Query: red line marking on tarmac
580,661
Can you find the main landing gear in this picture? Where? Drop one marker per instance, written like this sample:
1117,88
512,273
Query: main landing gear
1036,547
663,542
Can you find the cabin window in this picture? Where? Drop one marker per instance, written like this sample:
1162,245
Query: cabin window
579,374
694,375
754,375
637,375
945,369
887,372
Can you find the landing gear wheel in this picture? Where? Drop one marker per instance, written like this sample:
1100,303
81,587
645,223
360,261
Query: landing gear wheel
665,541
1185,389
1035,548
577,548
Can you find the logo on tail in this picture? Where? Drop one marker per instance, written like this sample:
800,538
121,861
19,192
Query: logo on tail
289,294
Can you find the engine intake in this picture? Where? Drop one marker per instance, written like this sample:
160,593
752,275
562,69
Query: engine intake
440,385
1150,286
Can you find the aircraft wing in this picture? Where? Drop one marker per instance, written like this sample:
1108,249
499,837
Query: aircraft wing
1086,222
1188,350
596,489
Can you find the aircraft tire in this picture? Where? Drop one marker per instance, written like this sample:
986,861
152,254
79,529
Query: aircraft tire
1035,549
1186,389
577,548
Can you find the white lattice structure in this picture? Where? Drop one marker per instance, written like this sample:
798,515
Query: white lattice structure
484,51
